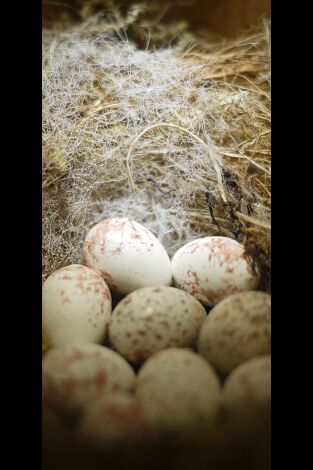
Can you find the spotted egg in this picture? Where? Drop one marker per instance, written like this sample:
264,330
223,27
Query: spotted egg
178,389
114,418
236,329
77,374
212,268
155,318
76,306
127,255
247,392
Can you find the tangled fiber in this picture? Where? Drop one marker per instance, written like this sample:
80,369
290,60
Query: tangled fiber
150,121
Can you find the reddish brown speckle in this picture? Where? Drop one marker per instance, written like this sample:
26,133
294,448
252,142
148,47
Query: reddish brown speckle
122,417
245,381
77,355
101,379
194,247
135,236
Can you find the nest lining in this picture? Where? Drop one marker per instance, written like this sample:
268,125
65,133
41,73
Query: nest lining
175,134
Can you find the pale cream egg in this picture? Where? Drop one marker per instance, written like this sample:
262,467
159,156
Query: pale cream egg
212,268
76,306
127,255
236,329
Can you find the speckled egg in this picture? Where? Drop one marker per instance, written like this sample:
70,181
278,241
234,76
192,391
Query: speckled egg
212,268
118,417
178,389
76,374
247,390
76,306
236,329
155,318
127,255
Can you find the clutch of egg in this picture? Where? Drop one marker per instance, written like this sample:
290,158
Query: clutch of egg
152,325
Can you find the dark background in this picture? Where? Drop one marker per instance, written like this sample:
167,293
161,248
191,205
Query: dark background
223,17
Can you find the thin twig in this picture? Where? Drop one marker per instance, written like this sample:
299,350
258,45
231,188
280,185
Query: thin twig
235,155
186,131
252,220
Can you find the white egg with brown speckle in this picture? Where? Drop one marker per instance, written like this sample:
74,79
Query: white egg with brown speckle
247,391
76,306
179,390
236,329
77,374
127,255
115,418
212,268
155,318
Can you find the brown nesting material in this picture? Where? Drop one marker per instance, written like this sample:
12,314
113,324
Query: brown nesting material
155,123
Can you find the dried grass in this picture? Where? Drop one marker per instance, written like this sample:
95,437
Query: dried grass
149,121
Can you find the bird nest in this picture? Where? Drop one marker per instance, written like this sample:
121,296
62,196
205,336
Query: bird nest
153,122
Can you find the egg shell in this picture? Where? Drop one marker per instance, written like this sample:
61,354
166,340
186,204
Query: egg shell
247,391
155,318
127,255
76,374
76,306
212,268
236,329
179,390
115,418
